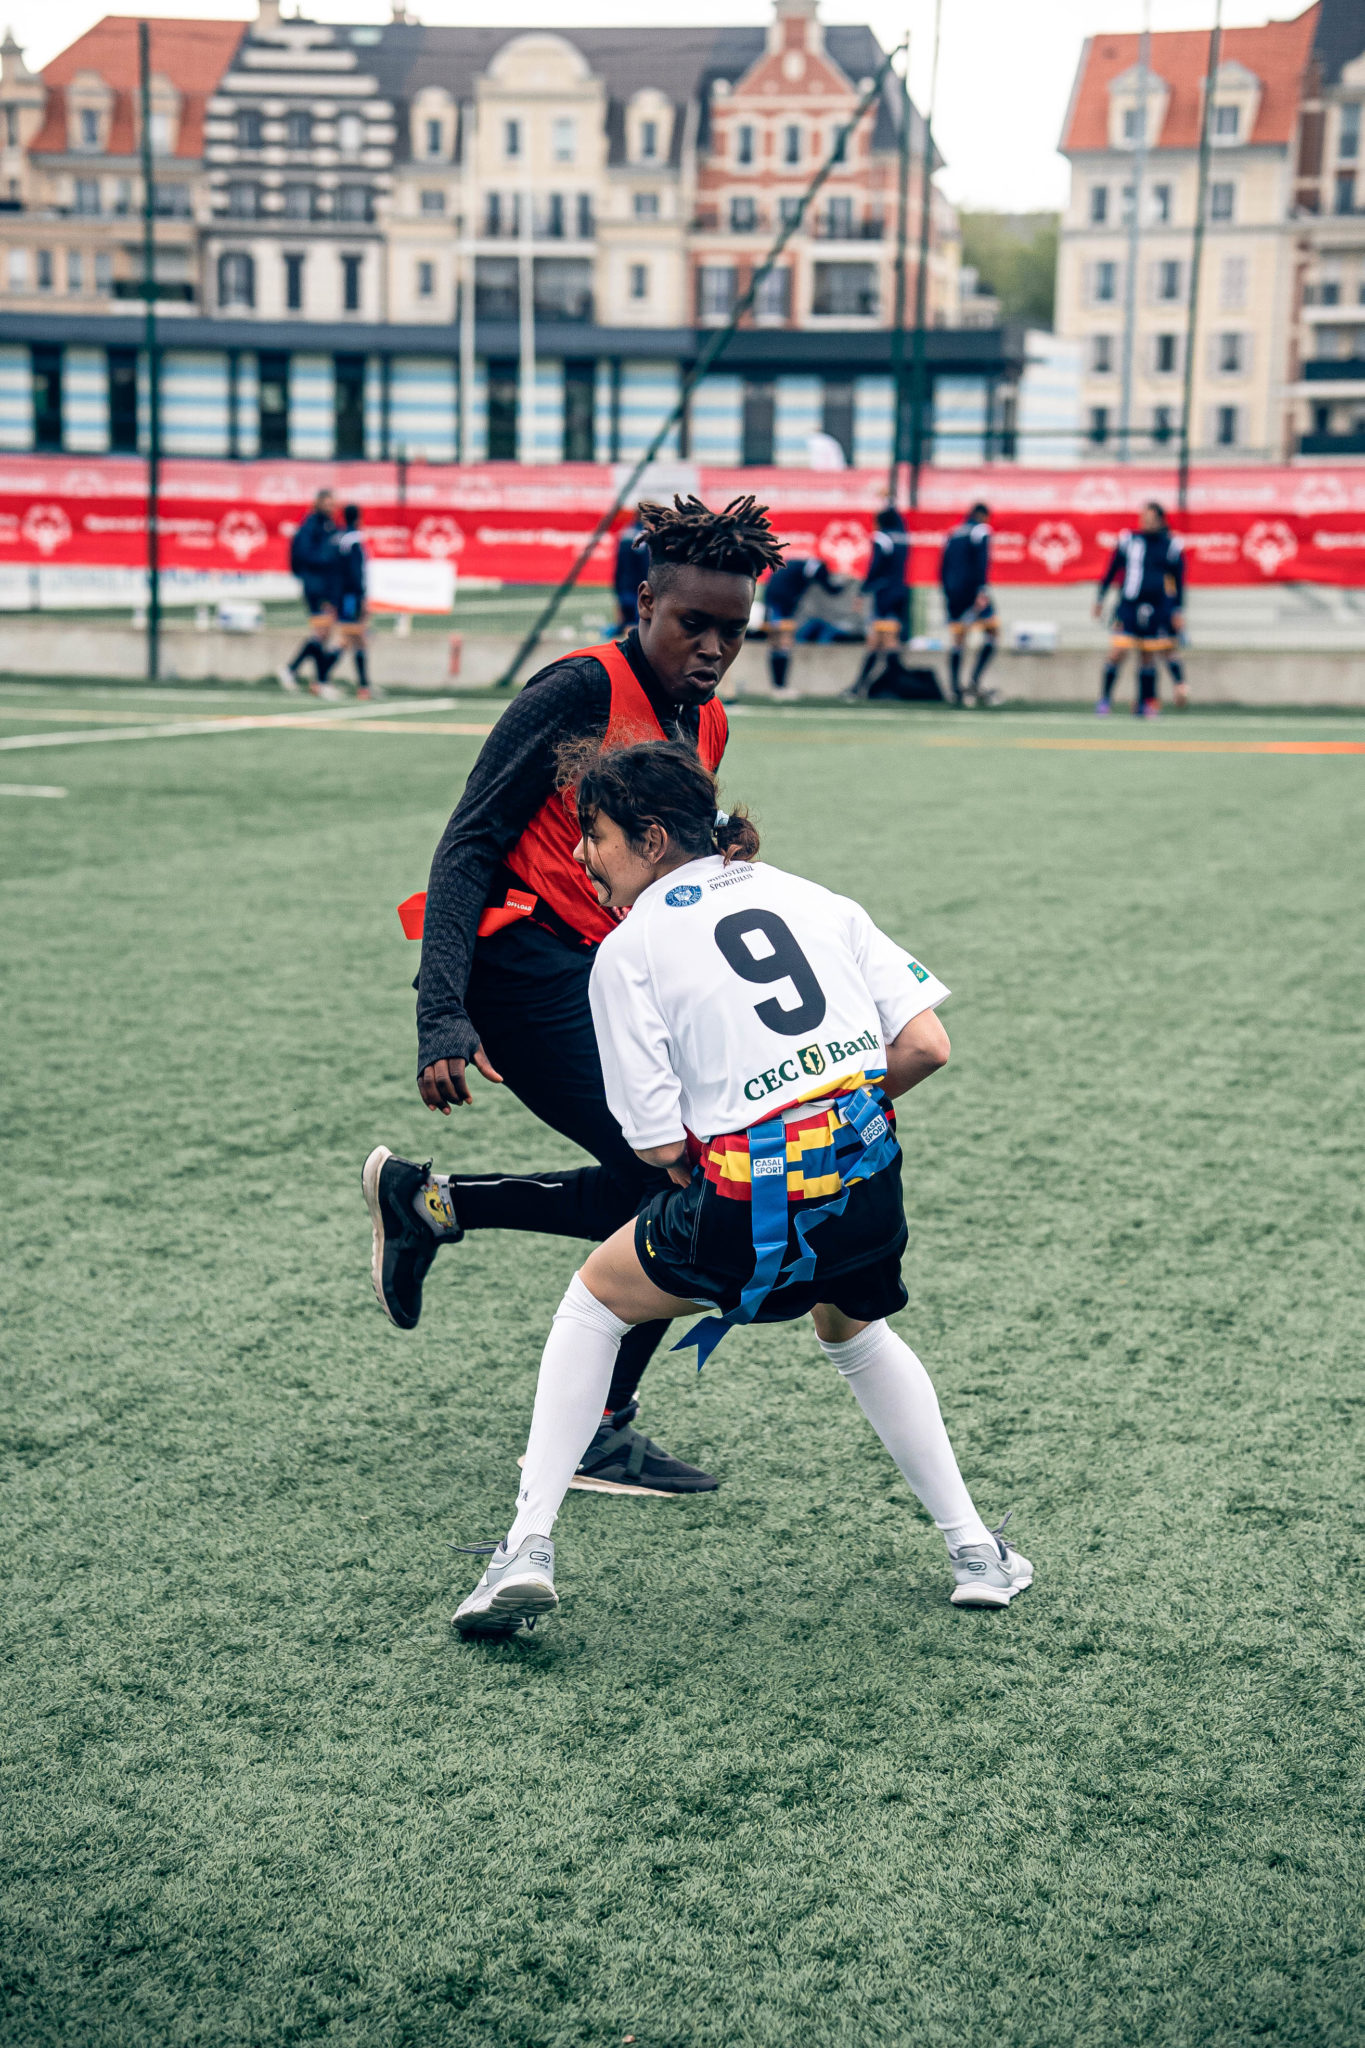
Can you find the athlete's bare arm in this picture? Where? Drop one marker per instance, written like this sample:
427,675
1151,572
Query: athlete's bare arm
915,1053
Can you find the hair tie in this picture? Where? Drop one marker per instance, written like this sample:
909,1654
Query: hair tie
722,818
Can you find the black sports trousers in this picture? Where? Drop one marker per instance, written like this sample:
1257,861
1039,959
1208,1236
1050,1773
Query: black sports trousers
528,1000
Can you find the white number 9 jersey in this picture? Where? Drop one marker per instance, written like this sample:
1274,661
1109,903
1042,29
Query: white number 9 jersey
731,992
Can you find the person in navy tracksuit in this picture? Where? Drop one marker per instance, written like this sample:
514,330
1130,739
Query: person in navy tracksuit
349,578
312,558
632,567
964,573
1148,568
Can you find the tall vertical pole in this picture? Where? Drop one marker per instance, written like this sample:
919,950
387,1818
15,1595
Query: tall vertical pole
898,332
1197,253
917,376
468,142
153,359
1134,238
526,322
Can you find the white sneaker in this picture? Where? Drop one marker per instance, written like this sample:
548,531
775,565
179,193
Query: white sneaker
287,680
989,1574
327,691
514,1591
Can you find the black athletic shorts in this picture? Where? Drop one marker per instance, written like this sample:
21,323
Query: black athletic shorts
317,596
892,602
960,607
698,1244
1135,619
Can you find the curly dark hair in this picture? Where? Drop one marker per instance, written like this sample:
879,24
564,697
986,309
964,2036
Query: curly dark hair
661,782
686,534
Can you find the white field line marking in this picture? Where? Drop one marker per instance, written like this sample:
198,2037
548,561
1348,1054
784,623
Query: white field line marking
30,789
186,729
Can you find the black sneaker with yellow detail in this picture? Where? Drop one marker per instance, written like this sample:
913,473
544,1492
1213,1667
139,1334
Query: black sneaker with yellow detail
411,1217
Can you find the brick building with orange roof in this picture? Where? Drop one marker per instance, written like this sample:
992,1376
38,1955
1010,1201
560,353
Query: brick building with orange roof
1247,284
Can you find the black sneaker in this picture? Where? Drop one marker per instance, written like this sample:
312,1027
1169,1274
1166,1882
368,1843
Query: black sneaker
404,1246
620,1460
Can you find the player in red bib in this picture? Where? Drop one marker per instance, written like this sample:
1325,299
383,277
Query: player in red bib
512,926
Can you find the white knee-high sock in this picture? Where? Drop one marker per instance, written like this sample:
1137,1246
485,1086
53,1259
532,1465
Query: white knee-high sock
575,1373
897,1396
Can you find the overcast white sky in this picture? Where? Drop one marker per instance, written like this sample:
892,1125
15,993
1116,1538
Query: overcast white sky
1005,67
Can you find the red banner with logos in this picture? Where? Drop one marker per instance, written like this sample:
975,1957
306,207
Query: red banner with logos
515,525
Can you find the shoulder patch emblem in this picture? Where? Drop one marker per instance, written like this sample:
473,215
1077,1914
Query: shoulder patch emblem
686,893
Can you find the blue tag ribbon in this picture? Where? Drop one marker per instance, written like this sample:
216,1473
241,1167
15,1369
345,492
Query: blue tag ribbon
862,1147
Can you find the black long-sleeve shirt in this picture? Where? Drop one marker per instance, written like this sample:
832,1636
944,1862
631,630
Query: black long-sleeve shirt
516,771
1147,566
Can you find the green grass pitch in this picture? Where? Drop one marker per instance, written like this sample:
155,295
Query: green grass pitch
758,1783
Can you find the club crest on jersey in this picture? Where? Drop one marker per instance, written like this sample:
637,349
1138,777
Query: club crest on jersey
686,893
920,973
812,1059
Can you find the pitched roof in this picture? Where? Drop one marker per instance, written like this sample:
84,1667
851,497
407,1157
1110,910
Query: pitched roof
1277,52
193,55
1340,36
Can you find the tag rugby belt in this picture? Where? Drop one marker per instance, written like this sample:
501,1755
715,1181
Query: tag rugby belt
863,1143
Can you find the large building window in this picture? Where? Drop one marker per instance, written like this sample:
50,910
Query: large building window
435,139
743,215
586,225
1344,195
236,279
839,218
426,280
89,129
1101,355
564,139
511,140
503,396
1225,426
1227,122
433,201
1165,354
350,134
75,270
773,300
1230,353
1104,283
1099,425
47,396
495,288
1099,205
249,128
717,290
123,401
293,281
1169,279
1348,135
1159,202
44,270
758,420
563,288
171,202
845,291
350,283
744,144
243,199
791,143
348,391
300,202
87,195
1163,424
837,412
104,271
1222,198
272,403
646,206
639,280
554,216
354,202
298,128
580,412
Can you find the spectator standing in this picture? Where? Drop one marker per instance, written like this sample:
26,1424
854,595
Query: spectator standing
351,609
965,573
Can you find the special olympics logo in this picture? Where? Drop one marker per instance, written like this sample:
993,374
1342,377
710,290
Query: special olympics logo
439,537
46,527
1054,543
843,544
1268,543
242,533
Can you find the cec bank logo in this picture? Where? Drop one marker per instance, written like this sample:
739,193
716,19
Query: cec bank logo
685,894
812,1059
920,973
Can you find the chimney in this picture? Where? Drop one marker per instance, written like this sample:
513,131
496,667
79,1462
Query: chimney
796,26
267,17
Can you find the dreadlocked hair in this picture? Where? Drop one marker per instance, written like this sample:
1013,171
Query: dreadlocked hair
739,541
660,782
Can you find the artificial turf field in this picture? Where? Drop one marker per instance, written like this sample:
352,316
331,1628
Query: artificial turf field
758,1782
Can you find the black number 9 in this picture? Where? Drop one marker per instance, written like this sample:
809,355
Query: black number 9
786,962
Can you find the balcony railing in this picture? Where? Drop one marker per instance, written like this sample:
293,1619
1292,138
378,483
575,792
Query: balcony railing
1334,370
1332,444
825,228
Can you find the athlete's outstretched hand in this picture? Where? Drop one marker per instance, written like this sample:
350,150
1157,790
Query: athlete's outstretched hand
442,1085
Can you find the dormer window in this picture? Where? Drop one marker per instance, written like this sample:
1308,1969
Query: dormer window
1227,123
435,139
89,128
1134,124
162,133
649,141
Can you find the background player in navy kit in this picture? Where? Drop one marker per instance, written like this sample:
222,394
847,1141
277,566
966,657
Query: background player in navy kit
886,587
352,615
504,978
1149,568
632,567
782,595
312,558
964,571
